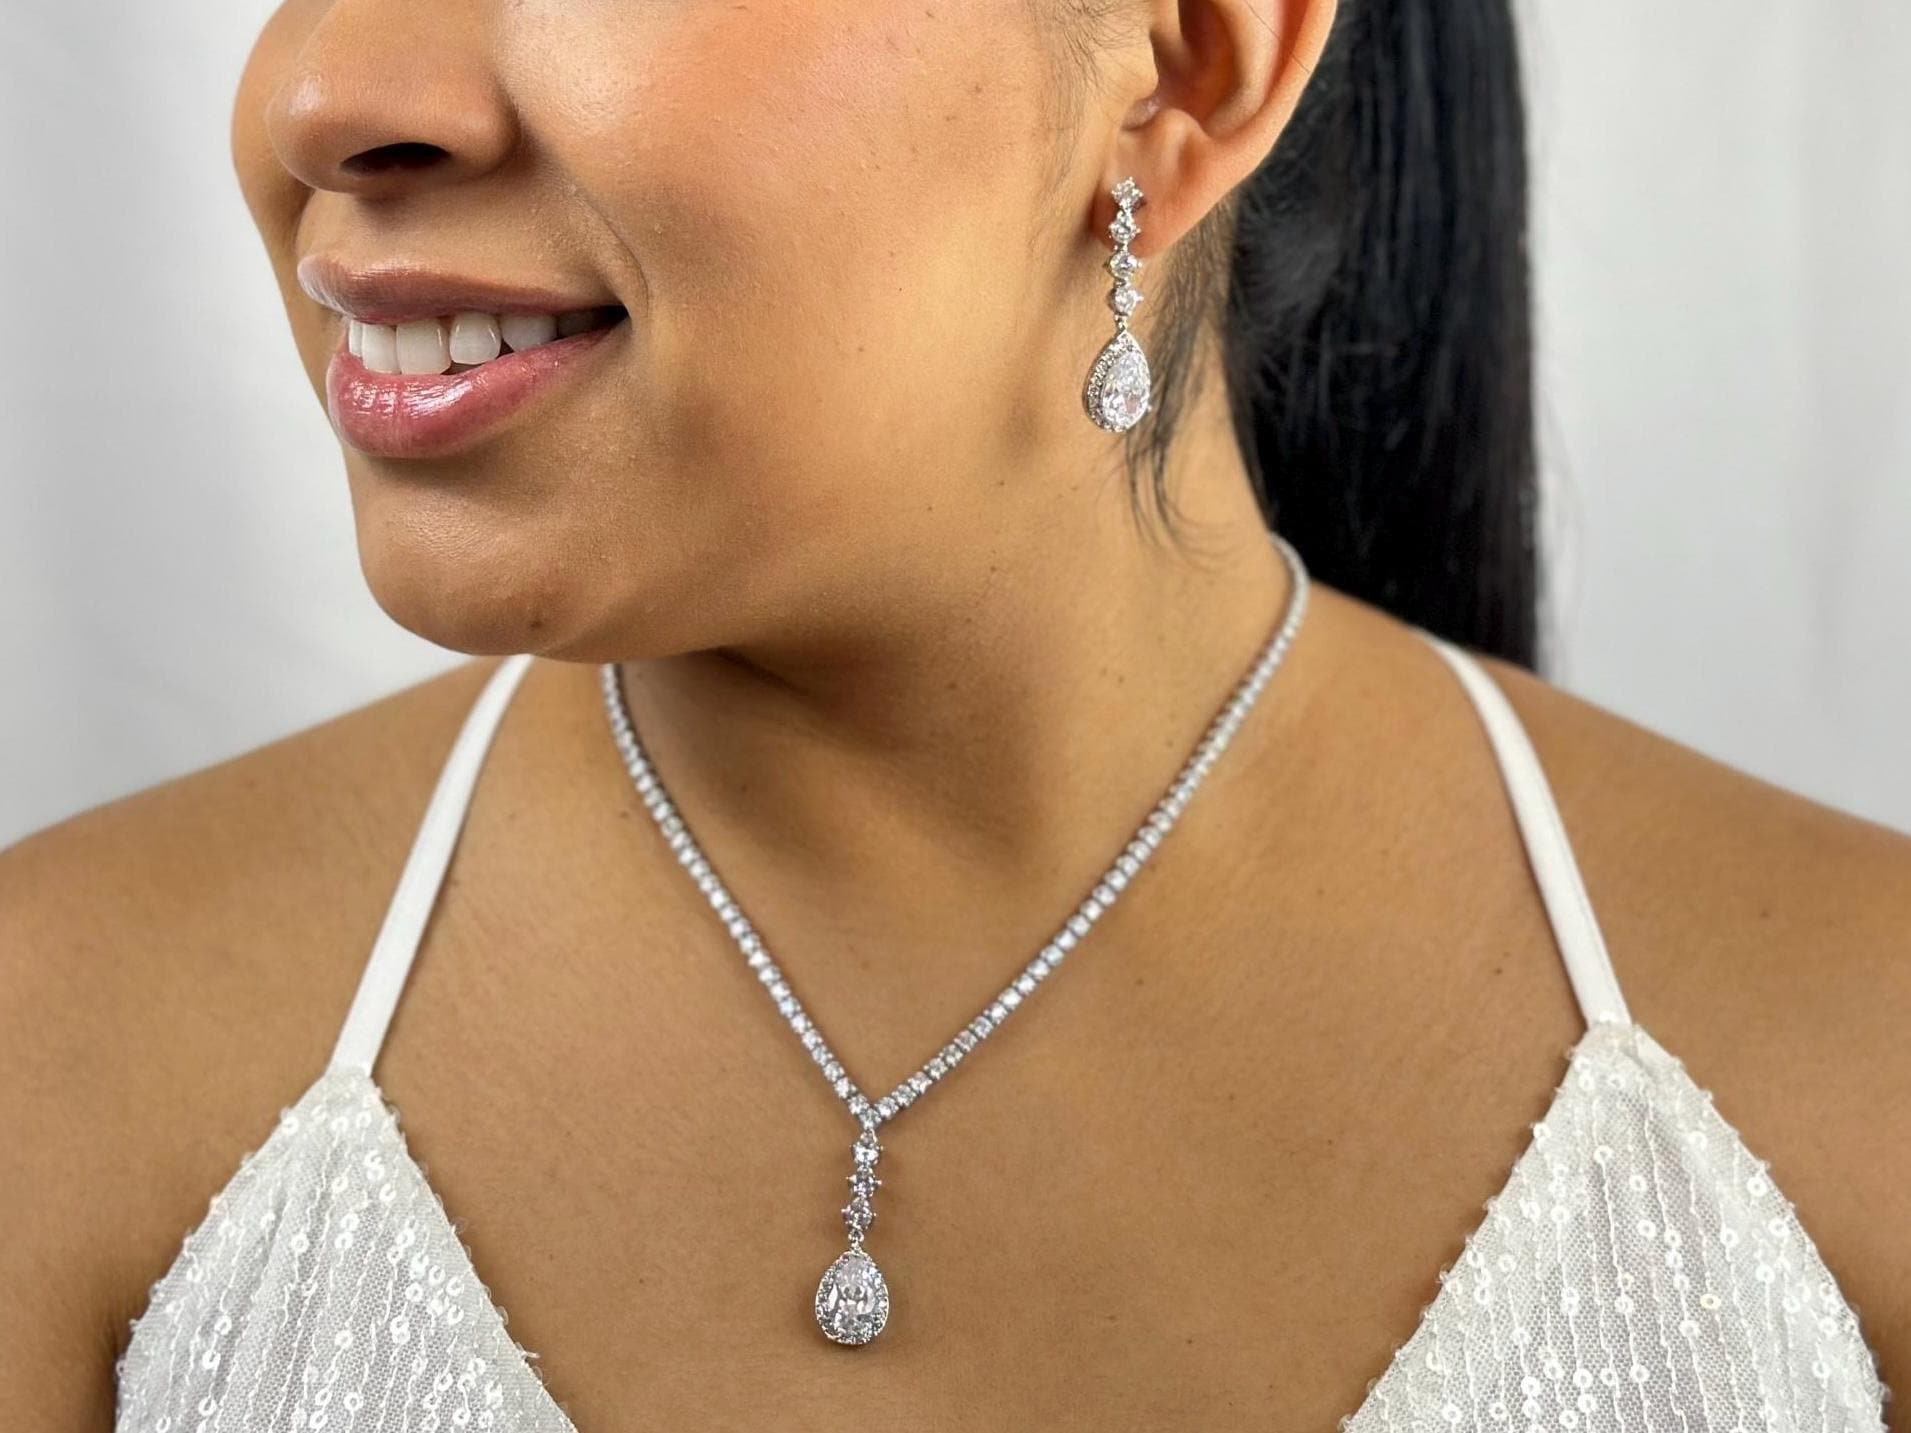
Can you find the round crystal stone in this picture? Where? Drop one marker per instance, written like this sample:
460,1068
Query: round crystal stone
852,1301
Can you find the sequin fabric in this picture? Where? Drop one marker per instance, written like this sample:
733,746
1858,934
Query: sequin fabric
1639,1271
327,1289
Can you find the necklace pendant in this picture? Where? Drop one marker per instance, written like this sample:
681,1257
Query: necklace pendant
852,1299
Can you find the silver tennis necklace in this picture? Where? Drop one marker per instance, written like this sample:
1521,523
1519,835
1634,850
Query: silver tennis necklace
852,1299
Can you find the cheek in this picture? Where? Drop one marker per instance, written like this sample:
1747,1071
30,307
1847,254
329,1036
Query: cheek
826,202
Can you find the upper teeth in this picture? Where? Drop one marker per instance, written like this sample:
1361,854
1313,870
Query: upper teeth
433,345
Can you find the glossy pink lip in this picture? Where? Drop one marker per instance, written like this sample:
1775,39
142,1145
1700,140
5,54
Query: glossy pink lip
415,415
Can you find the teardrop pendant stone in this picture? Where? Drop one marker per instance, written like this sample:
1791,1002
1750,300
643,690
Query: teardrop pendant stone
852,1301
1119,385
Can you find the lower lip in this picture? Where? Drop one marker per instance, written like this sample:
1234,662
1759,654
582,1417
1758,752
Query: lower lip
432,415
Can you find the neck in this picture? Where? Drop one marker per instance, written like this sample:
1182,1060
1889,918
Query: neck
1002,725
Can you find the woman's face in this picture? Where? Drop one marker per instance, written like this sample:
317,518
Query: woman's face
857,264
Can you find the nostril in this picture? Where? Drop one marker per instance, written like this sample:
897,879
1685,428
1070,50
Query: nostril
407,156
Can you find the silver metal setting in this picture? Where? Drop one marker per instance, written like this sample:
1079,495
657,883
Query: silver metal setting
852,1300
1120,386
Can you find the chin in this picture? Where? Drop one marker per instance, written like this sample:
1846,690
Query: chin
477,607
459,571
513,590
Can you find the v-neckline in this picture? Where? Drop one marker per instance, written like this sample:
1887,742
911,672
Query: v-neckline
1531,1151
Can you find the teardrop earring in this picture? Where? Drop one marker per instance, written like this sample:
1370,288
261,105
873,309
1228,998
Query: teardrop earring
1120,384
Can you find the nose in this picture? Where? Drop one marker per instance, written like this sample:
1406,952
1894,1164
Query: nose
384,99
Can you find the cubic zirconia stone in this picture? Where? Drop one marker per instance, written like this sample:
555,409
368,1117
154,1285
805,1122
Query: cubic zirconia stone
852,1300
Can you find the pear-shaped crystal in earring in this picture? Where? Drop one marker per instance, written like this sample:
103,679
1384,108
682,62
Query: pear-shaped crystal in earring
1119,385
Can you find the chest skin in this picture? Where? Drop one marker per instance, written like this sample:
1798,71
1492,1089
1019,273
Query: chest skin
1206,1178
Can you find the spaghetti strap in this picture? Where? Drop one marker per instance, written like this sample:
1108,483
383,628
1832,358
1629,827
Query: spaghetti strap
411,903
1550,854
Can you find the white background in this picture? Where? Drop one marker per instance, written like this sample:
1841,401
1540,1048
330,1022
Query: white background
1723,239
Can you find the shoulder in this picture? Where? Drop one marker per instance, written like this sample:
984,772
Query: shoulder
121,917
161,960
1766,940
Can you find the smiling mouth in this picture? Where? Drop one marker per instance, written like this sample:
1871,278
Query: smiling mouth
457,343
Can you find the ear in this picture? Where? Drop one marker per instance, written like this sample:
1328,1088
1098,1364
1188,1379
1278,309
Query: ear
1219,81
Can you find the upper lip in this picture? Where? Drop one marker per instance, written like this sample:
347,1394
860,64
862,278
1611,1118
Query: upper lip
393,293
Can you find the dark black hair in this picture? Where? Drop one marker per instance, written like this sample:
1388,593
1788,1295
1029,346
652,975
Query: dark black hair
1371,287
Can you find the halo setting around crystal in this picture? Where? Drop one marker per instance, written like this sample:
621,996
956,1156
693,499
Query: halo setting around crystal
852,1301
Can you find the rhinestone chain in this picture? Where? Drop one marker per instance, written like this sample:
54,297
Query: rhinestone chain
1106,889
